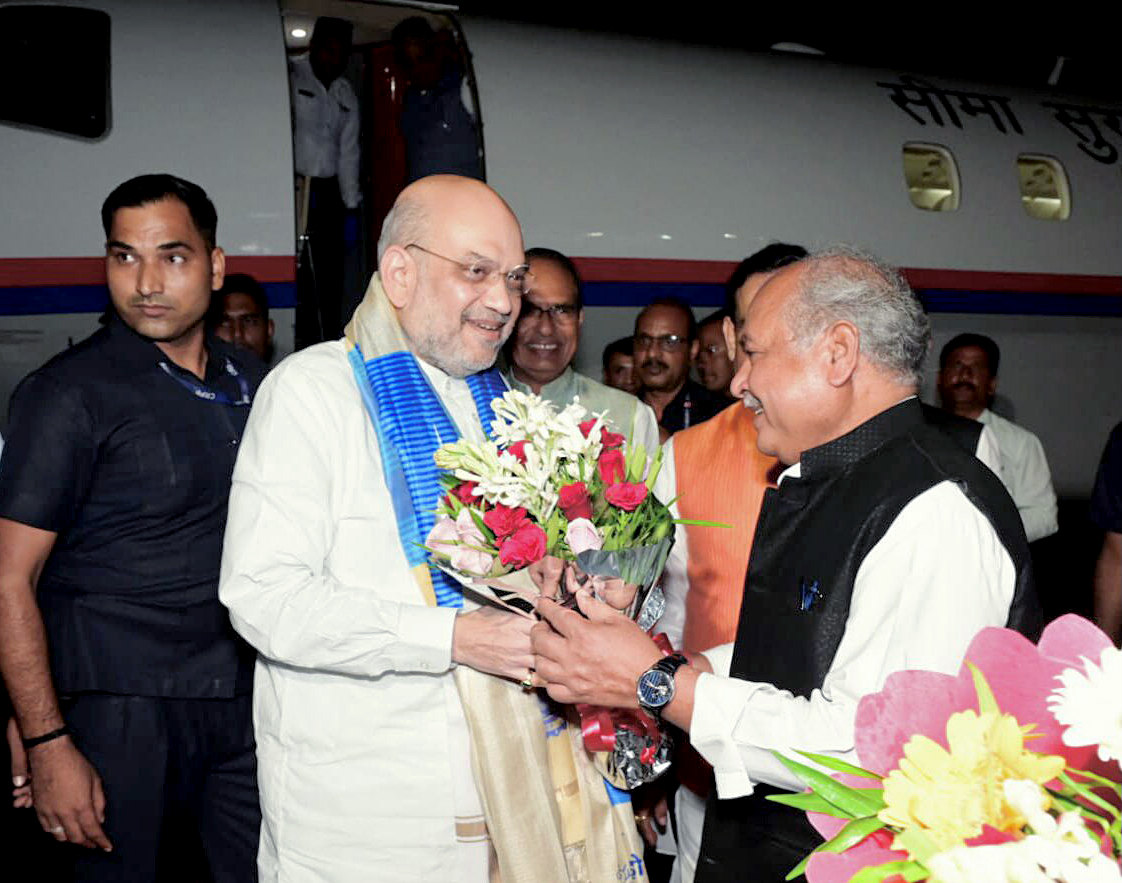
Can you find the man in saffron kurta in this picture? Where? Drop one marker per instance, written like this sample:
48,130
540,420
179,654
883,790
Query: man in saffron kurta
718,474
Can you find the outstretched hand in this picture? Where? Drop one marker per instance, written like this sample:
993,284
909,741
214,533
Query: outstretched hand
596,660
495,642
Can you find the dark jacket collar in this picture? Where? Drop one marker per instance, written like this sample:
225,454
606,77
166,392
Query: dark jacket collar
842,452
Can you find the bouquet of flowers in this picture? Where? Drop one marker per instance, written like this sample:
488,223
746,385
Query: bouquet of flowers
549,483
560,484
1008,772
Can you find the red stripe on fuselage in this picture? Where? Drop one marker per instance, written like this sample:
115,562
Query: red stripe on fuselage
91,271
660,271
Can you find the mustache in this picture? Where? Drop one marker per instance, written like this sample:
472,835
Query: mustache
653,363
965,384
751,402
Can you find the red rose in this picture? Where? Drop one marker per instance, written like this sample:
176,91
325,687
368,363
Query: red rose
518,449
611,439
573,501
503,520
626,496
463,493
523,547
586,427
612,468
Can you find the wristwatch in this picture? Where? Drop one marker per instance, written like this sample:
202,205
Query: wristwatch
655,688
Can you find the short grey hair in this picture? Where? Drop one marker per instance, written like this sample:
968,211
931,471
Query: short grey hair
404,224
841,283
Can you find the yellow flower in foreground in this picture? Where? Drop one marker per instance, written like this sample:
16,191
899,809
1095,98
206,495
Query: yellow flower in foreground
951,794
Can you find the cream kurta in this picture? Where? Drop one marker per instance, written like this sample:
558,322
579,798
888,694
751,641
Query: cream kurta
360,731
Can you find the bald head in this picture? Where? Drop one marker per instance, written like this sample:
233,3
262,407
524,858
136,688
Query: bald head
450,258
407,220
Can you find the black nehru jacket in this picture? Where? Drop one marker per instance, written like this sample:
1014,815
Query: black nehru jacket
130,464
813,533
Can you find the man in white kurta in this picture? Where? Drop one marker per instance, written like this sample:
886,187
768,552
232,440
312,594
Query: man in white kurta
363,751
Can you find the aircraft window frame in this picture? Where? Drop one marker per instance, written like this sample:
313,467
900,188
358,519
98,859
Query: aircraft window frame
931,177
1040,201
60,56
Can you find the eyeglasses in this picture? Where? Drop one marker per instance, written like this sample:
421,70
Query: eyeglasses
560,314
714,349
481,274
668,343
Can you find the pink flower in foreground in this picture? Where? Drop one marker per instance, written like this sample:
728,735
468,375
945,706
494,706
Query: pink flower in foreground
582,536
1020,674
462,541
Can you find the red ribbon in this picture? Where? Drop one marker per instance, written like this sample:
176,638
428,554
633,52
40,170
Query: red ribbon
599,725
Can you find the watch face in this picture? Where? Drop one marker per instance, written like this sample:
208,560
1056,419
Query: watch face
655,688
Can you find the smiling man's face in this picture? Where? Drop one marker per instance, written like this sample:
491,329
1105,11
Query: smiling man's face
548,331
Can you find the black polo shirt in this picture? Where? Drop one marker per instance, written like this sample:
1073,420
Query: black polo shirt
130,464
692,405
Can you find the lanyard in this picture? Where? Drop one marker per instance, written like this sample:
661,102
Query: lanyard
212,395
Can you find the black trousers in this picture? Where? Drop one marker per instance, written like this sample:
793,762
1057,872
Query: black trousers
752,840
320,303
175,772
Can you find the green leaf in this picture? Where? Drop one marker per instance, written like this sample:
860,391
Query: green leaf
909,870
986,702
852,834
840,766
799,869
809,801
842,796
697,522
919,845
482,525
1093,777
1087,794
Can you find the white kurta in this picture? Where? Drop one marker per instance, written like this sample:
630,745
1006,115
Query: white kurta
361,743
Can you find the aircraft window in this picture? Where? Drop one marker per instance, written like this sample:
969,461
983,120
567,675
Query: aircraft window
932,177
1044,189
55,60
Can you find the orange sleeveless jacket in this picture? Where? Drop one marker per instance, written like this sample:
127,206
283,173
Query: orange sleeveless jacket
721,476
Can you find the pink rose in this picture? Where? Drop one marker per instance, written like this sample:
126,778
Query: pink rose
586,427
518,450
626,495
612,467
582,535
462,542
523,547
470,555
573,501
443,536
611,440
503,520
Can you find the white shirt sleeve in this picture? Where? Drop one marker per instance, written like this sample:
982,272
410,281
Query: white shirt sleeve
674,579
1030,484
349,151
646,429
988,450
913,606
279,532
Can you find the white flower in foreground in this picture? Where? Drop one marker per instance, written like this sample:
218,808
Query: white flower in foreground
1032,802
1089,704
1070,854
